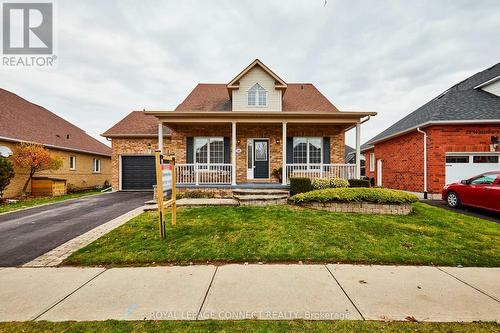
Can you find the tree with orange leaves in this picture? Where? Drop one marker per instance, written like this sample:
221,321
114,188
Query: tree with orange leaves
34,157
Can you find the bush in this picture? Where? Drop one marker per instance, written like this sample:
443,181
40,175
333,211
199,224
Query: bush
6,174
195,194
375,195
300,185
319,183
359,183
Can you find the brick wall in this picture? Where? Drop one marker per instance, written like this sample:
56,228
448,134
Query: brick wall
133,146
403,156
446,138
82,176
176,144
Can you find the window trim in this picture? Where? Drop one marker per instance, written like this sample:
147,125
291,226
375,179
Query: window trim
308,157
96,165
372,162
72,158
257,90
208,149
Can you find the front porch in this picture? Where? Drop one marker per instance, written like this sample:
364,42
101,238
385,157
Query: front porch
247,150
214,175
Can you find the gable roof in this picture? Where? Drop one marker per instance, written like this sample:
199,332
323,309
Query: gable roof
23,121
279,83
210,97
463,102
136,124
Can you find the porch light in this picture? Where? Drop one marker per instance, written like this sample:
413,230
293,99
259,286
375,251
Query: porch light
278,141
238,141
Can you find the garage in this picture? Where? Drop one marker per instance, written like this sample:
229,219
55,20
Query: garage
461,166
137,173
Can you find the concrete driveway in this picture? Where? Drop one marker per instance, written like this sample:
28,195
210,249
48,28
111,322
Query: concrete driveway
27,234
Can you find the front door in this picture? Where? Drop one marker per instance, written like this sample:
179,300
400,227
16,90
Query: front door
261,158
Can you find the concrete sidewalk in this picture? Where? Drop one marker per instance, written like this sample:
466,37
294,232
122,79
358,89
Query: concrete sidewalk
319,292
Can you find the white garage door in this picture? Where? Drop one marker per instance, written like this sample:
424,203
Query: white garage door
465,166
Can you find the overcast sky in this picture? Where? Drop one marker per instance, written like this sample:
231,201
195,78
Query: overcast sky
384,56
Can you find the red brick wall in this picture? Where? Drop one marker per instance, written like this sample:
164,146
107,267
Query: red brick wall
447,138
403,156
402,162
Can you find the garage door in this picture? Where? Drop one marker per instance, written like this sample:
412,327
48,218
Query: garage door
138,172
465,166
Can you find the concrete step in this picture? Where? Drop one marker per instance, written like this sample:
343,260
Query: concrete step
258,191
262,199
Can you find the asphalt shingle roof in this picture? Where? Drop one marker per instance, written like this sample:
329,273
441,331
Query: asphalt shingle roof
460,102
22,120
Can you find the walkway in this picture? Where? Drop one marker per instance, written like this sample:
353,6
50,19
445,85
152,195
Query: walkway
251,291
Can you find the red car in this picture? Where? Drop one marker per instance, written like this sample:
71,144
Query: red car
482,191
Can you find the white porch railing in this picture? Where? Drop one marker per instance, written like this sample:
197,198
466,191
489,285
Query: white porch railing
345,171
198,173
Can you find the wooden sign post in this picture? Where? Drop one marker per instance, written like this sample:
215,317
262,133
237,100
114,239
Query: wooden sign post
165,181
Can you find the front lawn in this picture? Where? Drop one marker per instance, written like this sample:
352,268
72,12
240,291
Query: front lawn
255,326
428,236
4,208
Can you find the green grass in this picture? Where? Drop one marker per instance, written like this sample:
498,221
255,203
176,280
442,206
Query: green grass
248,326
428,236
4,208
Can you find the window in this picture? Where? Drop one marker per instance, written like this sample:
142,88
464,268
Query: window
457,159
307,150
257,96
96,165
72,162
209,150
486,179
260,151
372,162
485,159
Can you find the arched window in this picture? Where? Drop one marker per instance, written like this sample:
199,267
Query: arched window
257,96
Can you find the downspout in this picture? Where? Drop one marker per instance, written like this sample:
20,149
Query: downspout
425,161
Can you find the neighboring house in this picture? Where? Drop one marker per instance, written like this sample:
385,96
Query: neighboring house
462,127
350,158
86,161
237,133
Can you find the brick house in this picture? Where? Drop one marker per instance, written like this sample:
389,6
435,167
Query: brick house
450,138
236,134
86,161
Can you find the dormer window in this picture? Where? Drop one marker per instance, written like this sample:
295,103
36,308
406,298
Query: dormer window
257,96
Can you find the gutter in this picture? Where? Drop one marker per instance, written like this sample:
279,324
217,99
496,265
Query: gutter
425,160
437,122
56,147
361,122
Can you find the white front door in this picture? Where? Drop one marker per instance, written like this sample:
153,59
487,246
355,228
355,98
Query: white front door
379,172
465,166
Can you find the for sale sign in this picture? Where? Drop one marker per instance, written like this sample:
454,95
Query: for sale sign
166,173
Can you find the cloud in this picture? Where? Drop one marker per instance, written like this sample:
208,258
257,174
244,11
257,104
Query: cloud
384,56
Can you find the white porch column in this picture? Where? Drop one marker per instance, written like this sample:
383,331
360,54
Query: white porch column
358,150
233,153
160,137
283,173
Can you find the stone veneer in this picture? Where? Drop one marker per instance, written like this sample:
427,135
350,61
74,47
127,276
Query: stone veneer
361,207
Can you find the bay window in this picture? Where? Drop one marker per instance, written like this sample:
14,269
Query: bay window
308,150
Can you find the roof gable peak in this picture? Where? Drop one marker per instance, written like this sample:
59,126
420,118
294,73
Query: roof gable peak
234,83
